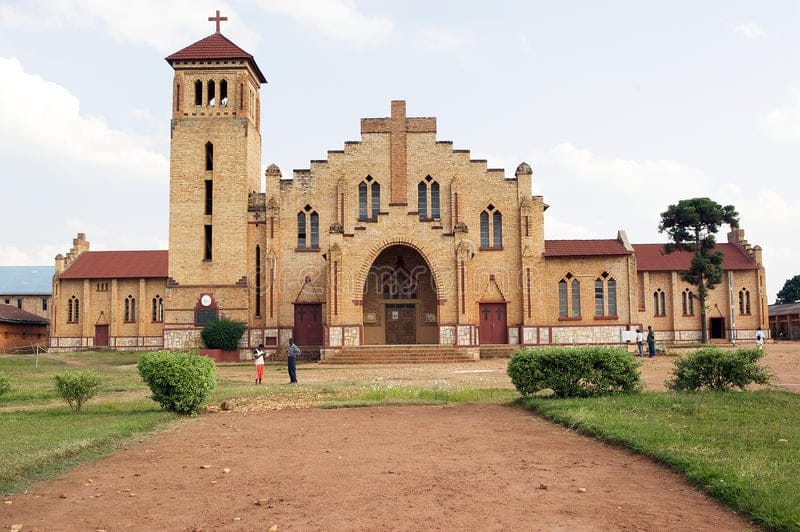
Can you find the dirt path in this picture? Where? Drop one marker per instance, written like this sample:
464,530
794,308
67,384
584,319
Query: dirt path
471,466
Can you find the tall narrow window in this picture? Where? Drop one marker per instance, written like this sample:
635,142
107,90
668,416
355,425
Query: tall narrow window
130,309
744,301
212,100
73,310
241,96
435,201
198,92
209,196
209,156
659,303
484,229
362,201
301,230
599,304
562,298
612,297
422,200
223,93
376,200
687,303
258,281
158,309
497,229
44,304
207,239
19,303
314,230
576,298
178,97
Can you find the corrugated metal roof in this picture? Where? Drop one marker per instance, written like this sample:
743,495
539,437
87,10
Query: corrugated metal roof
215,47
581,248
784,309
651,257
117,265
26,280
11,314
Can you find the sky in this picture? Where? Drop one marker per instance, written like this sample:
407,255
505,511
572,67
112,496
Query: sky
621,108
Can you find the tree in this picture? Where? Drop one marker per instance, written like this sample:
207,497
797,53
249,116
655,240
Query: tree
790,291
691,225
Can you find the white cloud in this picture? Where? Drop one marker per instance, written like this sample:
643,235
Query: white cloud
336,19
35,256
783,123
750,30
441,40
164,26
54,130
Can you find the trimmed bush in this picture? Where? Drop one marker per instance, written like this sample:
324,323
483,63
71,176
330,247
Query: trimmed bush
574,371
717,369
180,382
5,383
223,333
77,387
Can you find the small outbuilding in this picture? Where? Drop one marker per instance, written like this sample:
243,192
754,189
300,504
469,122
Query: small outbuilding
784,321
21,330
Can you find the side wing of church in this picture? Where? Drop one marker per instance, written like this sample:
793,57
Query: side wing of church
397,240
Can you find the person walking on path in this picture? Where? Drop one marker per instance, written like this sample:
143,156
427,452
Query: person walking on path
651,341
291,356
640,342
258,356
760,339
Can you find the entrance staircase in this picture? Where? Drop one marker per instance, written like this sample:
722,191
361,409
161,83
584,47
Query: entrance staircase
401,354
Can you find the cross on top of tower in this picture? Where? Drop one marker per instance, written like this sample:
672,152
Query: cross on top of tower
217,19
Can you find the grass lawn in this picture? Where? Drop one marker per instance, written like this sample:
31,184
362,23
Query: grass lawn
743,448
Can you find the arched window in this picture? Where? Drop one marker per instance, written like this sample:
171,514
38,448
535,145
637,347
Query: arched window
223,93
424,201
369,199
605,295
209,156
687,302
130,309
362,201
744,301
491,236
158,309
659,303
307,219
73,310
198,92
212,100
569,297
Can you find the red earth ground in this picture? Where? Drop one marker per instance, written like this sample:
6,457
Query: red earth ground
267,466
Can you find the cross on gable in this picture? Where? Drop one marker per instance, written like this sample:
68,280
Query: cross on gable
217,19
398,126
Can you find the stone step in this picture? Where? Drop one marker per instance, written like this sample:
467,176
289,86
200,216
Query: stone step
398,354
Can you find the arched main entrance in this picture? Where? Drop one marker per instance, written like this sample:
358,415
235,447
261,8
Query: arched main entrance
400,299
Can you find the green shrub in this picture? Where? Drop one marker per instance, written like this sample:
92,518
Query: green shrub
223,333
77,387
716,369
574,371
180,382
5,383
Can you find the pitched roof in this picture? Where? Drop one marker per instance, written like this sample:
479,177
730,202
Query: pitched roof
117,264
12,314
582,248
784,309
215,46
651,257
26,280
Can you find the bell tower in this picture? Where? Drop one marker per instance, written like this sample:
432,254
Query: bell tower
215,160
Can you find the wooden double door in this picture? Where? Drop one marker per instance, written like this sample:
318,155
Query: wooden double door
308,323
401,323
494,325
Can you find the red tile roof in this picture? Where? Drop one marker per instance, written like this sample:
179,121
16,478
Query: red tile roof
581,248
117,264
12,314
651,257
216,47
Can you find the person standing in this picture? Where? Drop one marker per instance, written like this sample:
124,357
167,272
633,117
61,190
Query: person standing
640,342
291,356
759,339
258,356
651,341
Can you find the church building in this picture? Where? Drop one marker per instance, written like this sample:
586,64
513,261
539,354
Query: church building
398,242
